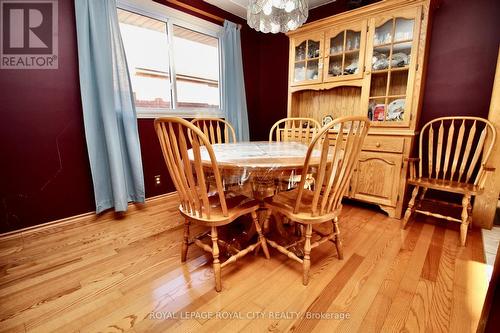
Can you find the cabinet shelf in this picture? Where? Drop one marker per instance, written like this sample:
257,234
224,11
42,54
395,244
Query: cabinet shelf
387,96
308,59
393,69
341,53
393,43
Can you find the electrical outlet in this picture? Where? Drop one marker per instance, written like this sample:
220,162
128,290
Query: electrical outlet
157,180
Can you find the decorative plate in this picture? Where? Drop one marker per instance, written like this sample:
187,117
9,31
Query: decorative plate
395,110
326,119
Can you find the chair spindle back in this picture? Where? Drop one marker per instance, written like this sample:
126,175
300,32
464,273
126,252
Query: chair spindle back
455,146
188,176
217,130
339,155
294,129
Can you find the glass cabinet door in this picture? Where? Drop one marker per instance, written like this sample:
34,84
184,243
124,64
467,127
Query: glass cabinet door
392,62
344,52
307,60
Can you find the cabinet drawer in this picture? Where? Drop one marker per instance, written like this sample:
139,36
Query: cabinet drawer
383,143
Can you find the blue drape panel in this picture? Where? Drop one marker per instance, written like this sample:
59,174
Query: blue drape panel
108,108
235,103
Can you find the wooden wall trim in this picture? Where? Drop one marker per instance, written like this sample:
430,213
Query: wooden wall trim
485,205
90,216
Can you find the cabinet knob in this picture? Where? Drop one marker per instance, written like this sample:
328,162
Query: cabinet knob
377,145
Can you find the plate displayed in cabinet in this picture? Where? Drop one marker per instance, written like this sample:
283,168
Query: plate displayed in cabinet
326,120
395,110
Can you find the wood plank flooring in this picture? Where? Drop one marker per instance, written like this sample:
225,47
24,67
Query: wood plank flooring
124,275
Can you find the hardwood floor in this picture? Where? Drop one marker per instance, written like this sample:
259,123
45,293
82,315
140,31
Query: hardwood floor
109,275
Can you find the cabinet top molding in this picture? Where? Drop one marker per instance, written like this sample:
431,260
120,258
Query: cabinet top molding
362,12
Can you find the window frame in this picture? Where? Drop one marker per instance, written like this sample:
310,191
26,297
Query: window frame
171,17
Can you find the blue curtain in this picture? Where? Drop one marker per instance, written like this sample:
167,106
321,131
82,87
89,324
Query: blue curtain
235,103
108,108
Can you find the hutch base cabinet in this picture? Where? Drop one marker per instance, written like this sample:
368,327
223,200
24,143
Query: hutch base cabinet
369,61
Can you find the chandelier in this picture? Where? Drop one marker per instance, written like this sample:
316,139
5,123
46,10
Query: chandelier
276,15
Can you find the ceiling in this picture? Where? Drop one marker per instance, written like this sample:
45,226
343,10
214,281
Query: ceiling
239,7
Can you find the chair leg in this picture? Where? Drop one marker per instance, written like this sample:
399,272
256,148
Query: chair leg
263,242
469,211
465,219
338,242
265,224
307,257
411,207
216,263
185,241
421,196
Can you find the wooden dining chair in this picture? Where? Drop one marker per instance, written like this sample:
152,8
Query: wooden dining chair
217,130
294,129
453,157
187,173
338,155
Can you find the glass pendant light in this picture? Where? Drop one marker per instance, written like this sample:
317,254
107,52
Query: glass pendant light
276,15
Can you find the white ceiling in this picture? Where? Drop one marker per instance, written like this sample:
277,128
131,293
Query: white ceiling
239,7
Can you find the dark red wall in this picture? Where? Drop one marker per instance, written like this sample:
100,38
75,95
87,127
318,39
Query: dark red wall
44,167
270,97
462,59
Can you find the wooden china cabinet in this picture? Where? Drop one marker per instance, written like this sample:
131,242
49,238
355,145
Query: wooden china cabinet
369,61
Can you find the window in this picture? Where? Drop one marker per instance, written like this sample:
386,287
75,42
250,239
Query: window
146,47
174,65
196,58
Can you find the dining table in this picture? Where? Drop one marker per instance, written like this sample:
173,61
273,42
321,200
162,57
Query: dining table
268,167
260,163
